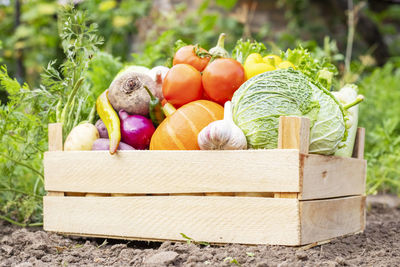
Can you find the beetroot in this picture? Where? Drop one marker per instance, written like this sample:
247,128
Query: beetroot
136,130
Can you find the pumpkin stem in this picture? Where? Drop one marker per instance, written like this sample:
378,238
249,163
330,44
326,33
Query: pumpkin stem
168,109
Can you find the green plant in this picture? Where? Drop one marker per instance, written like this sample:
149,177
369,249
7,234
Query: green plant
23,127
190,240
22,140
26,27
379,115
118,22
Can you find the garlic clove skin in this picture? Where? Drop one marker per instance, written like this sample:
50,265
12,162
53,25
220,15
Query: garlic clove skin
222,134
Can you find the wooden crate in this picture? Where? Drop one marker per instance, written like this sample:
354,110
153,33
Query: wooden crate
280,196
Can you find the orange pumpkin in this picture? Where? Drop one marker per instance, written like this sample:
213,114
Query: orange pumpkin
180,129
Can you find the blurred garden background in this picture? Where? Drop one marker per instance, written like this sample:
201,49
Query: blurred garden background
362,38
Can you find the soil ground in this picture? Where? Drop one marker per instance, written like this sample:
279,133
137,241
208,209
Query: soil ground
379,245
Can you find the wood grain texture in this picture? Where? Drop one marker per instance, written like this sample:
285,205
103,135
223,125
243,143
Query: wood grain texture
244,220
325,219
286,195
329,176
55,137
294,133
358,151
275,170
55,193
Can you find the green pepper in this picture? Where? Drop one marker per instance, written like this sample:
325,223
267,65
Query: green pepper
111,120
155,109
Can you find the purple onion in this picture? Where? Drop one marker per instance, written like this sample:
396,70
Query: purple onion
102,129
136,130
104,144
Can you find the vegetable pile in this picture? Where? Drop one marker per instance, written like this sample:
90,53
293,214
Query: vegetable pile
181,108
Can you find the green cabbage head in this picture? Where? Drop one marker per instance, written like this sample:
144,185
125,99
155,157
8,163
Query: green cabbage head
260,101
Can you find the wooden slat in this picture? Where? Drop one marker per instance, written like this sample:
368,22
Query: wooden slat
325,219
285,195
172,171
294,133
55,193
358,151
329,176
245,220
55,137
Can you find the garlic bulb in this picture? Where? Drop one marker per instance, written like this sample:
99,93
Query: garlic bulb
222,134
219,51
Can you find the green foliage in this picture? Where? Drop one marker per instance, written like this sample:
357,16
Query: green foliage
79,42
318,66
380,116
39,28
201,26
23,130
227,4
117,22
101,71
25,41
23,127
388,21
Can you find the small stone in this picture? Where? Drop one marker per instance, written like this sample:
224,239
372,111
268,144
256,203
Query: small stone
164,257
165,245
340,260
262,264
192,259
38,254
381,253
118,247
46,258
127,253
301,255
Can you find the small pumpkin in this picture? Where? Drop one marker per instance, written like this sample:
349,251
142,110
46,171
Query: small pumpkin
180,129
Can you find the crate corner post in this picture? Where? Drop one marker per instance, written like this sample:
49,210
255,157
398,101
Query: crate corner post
294,133
55,136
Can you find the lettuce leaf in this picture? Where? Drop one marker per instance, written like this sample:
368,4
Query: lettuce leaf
319,70
242,49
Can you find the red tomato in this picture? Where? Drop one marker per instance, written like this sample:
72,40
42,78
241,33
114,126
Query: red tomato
221,78
182,85
187,55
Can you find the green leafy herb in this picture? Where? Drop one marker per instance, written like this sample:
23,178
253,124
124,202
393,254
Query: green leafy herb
79,42
24,119
243,49
189,240
319,69
250,254
232,261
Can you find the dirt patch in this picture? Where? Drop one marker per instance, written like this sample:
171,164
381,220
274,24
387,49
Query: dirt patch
379,245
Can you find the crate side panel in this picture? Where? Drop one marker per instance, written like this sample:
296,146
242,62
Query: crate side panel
325,219
329,176
244,220
172,171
